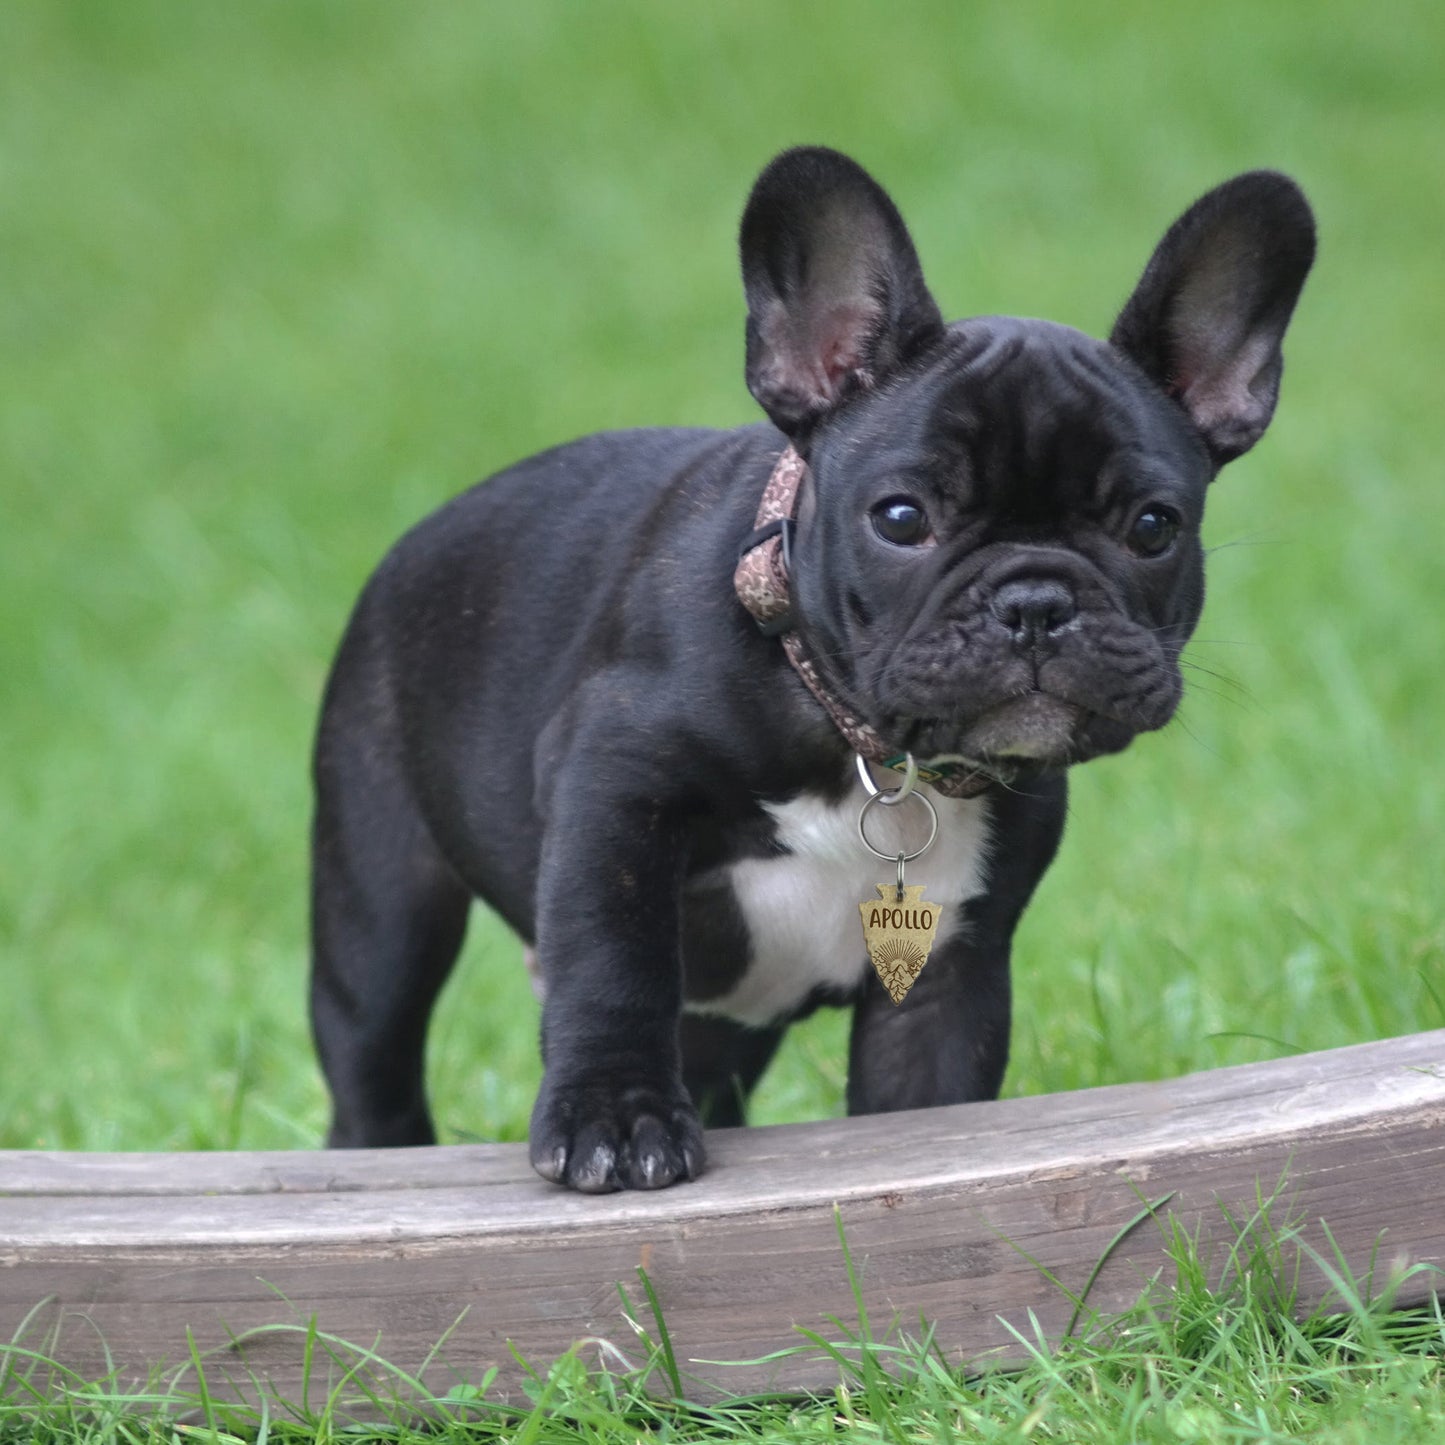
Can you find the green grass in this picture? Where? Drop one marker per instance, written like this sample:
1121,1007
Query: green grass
1215,1349
275,280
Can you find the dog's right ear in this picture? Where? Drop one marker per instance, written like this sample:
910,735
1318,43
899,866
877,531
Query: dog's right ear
836,297
1208,318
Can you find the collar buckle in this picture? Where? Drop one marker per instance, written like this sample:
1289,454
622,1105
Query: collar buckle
783,528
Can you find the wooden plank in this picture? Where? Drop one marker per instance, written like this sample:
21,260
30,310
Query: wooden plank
940,1208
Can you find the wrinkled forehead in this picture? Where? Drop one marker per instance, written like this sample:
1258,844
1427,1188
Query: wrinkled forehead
1007,397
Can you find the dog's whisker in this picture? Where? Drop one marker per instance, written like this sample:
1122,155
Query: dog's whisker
1183,723
1222,677
1250,539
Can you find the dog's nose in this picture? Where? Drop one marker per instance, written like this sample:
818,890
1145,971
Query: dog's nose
1034,609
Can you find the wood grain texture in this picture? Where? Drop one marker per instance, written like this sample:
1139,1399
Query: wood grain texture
941,1207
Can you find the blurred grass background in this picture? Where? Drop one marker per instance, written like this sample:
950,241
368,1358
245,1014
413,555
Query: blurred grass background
275,280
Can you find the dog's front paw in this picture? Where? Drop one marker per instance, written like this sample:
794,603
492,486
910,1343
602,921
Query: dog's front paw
597,1137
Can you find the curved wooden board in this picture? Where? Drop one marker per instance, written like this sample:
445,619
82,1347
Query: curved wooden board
943,1209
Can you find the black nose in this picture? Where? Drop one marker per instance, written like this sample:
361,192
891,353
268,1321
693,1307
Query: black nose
1034,609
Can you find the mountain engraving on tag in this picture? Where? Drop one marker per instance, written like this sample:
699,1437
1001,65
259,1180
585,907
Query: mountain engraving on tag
899,935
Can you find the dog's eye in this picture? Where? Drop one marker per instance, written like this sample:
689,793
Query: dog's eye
1154,531
900,520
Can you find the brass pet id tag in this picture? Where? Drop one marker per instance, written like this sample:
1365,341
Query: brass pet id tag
900,925
899,935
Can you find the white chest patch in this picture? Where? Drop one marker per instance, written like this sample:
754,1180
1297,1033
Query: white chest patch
802,908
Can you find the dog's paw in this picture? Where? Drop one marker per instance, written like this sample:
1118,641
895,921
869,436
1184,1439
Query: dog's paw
597,1137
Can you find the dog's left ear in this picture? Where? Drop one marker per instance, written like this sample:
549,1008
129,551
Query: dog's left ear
1209,315
836,297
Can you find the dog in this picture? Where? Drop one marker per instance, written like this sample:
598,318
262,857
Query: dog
969,548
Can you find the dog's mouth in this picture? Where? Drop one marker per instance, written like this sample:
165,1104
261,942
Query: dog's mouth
1035,730
1025,713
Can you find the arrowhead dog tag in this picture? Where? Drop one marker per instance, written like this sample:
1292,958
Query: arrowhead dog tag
899,928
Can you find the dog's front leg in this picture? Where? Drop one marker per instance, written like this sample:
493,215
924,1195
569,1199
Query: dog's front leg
612,1112
946,1043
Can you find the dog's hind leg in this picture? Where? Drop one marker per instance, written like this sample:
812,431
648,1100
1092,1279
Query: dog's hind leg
387,919
722,1061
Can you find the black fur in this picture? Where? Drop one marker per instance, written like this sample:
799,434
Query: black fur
549,697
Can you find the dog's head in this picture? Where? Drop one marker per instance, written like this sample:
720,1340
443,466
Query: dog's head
998,553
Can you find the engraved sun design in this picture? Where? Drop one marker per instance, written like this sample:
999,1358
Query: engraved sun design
898,961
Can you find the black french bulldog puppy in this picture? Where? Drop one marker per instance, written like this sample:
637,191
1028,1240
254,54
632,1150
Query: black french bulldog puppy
551,697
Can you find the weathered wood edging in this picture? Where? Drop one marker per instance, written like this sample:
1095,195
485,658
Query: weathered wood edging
390,1248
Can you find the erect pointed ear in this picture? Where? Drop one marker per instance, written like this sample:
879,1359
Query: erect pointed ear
836,299
1210,312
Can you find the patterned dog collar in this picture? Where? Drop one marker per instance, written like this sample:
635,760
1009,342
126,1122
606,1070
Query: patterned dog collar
761,584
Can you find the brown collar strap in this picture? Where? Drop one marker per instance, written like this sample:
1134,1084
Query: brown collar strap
761,583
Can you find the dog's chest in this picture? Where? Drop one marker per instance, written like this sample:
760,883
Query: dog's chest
800,908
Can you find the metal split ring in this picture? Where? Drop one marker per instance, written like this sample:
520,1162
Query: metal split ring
886,799
890,796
